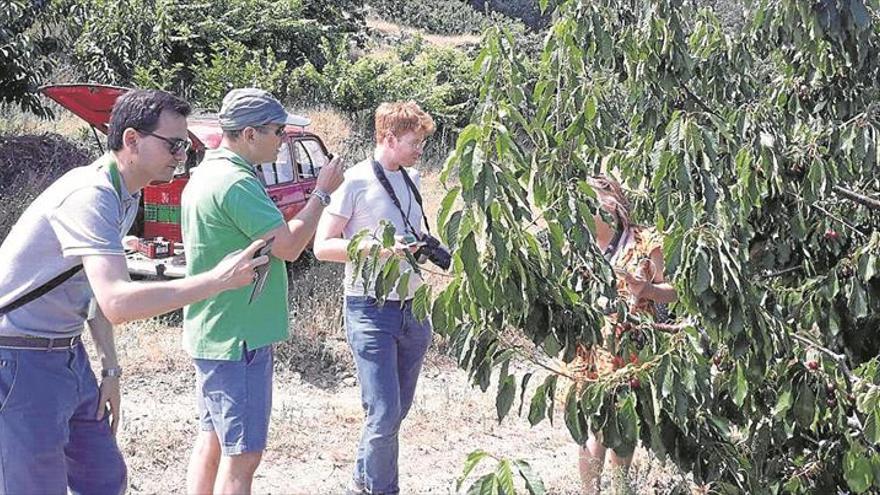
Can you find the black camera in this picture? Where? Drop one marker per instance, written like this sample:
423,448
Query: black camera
434,252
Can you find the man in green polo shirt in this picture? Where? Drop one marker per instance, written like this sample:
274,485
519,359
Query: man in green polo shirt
225,206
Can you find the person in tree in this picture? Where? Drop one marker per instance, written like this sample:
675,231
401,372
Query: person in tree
636,255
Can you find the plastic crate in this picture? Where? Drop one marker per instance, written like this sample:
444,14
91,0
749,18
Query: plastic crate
165,194
164,215
151,213
155,249
169,231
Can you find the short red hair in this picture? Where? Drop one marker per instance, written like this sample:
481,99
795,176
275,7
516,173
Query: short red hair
400,117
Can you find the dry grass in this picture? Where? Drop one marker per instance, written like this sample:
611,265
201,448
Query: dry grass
15,122
332,125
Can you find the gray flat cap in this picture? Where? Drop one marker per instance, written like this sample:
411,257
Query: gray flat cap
247,107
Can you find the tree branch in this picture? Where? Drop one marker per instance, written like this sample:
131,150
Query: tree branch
835,217
858,198
696,99
781,272
838,358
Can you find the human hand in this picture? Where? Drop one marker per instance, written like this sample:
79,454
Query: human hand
404,244
238,268
130,242
331,176
109,401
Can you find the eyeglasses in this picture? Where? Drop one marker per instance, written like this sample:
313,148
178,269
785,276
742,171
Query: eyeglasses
415,144
279,131
175,146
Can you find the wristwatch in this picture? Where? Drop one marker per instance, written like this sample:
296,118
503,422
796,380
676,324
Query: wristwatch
114,372
323,197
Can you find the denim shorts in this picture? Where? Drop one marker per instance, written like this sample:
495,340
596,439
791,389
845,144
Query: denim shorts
235,399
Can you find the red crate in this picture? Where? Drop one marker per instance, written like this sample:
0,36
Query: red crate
167,193
168,231
155,249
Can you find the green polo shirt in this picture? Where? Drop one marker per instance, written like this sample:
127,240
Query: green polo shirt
223,209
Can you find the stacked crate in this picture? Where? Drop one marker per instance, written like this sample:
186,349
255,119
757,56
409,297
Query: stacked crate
162,210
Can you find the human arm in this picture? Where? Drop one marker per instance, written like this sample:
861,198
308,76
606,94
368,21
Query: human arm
292,237
656,289
120,299
330,246
101,331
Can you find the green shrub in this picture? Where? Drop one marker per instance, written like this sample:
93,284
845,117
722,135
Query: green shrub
439,79
234,67
158,40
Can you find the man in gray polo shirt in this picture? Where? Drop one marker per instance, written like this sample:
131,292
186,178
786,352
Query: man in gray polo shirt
63,266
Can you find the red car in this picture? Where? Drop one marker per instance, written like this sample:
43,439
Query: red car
289,180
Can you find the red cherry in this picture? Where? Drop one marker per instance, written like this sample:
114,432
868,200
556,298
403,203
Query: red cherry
618,362
634,358
831,234
634,383
813,365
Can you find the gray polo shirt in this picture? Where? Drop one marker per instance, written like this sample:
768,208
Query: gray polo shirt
79,214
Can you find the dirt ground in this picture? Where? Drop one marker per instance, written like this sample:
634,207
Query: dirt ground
315,425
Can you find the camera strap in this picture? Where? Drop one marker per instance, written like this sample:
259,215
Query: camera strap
383,179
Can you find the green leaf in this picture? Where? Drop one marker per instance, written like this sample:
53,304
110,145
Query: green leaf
538,407
504,478
402,288
470,463
740,385
470,259
446,206
572,417
857,299
388,232
534,484
543,4
872,427
505,397
422,302
783,404
522,392
857,470
703,275
804,405
485,485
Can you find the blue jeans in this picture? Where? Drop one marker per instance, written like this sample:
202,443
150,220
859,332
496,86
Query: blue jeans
388,345
49,438
235,399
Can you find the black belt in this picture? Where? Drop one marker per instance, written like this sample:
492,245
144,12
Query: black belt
39,343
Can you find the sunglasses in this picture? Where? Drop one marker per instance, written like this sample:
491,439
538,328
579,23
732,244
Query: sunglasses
279,131
175,146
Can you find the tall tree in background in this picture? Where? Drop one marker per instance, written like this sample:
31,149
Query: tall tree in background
28,30
756,154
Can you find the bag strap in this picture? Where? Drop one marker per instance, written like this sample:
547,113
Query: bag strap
40,291
383,179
